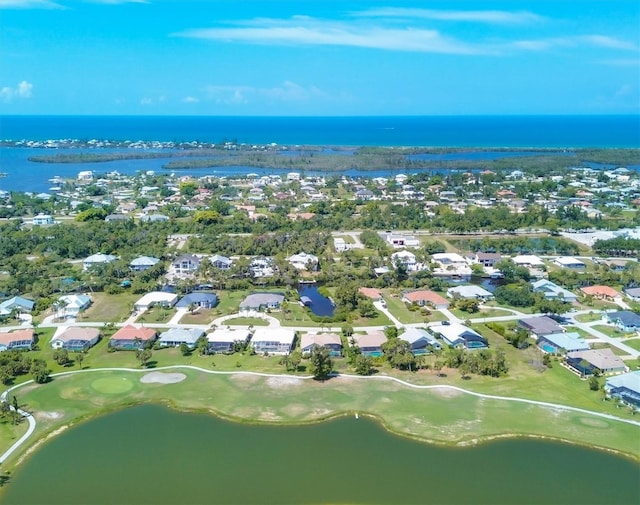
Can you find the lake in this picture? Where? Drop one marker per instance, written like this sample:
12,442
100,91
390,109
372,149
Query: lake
320,305
152,455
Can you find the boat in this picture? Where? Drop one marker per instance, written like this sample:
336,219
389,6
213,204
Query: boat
3,174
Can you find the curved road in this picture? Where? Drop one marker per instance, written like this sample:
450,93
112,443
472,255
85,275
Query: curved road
568,408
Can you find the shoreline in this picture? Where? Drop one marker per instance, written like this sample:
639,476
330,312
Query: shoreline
32,445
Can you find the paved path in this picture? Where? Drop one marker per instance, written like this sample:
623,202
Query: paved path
555,406
382,307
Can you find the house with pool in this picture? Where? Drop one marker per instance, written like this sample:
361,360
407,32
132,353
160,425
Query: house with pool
370,343
132,338
595,360
625,320
223,339
75,338
268,340
175,337
421,341
626,387
555,343
459,335
17,340
331,341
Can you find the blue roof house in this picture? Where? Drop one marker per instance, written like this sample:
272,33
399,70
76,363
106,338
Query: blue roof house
625,386
202,300
562,342
18,303
626,320
420,340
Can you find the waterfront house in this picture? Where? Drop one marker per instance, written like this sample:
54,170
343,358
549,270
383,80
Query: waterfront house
626,320
175,337
331,341
459,335
154,298
528,260
73,305
470,292
569,262
75,338
552,291
222,340
131,338
185,265
541,325
626,387
562,342
202,300
405,258
486,259
420,340
304,261
592,360
142,263
370,343
425,297
97,259
373,293
271,340
262,301
17,340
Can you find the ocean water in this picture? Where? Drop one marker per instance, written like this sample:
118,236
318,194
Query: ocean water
467,131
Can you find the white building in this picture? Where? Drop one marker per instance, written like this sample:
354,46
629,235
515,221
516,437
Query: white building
42,220
303,261
406,258
273,340
97,259
85,175
155,298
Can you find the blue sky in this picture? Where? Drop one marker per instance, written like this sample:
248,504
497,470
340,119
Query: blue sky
319,57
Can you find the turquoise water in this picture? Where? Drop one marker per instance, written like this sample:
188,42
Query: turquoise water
152,455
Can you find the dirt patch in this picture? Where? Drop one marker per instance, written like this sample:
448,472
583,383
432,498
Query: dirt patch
283,382
295,410
244,378
162,378
446,392
52,415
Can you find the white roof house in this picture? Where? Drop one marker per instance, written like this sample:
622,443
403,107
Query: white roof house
448,258
142,263
97,259
72,305
569,262
222,339
527,260
155,298
42,220
303,261
407,258
456,334
273,340
469,292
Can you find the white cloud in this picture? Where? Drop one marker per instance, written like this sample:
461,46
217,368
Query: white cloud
497,17
286,92
621,62
190,99
29,4
146,101
22,90
599,41
307,31
117,2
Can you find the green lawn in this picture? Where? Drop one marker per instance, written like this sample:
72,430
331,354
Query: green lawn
610,331
400,311
602,345
200,316
246,321
632,342
109,308
587,318
156,315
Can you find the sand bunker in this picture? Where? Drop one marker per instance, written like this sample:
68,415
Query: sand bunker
283,382
162,378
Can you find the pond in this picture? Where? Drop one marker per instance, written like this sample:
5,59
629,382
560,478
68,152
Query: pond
320,305
152,455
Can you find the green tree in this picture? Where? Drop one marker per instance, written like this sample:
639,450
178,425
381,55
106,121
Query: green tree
80,359
202,344
363,365
61,356
594,384
39,371
320,362
184,349
143,356
391,332
398,353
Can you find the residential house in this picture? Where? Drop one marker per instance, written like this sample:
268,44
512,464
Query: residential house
370,343
42,220
202,300
421,341
97,259
160,298
154,218
633,294
271,340
364,194
142,263
592,360
626,387
220,262
222,340
398,241
17,303
554,343
75,338
569,262
425,297
486,259
132,338
175,337
541,325
552,291
304,261
406,258
528,260
73,305
450,264
459,335
470,292
262,267
112,218
262,301
601,292
340,245
17,340
185,265
331,341
626,320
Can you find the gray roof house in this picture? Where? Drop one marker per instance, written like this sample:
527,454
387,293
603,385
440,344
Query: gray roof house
541,325
177,336
185,264
261,301
223,339
458,335
142,263
552,291
97,259
220,262
625,386
626,320
469,292
603,360
632,294
569,342
420,340
202,300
